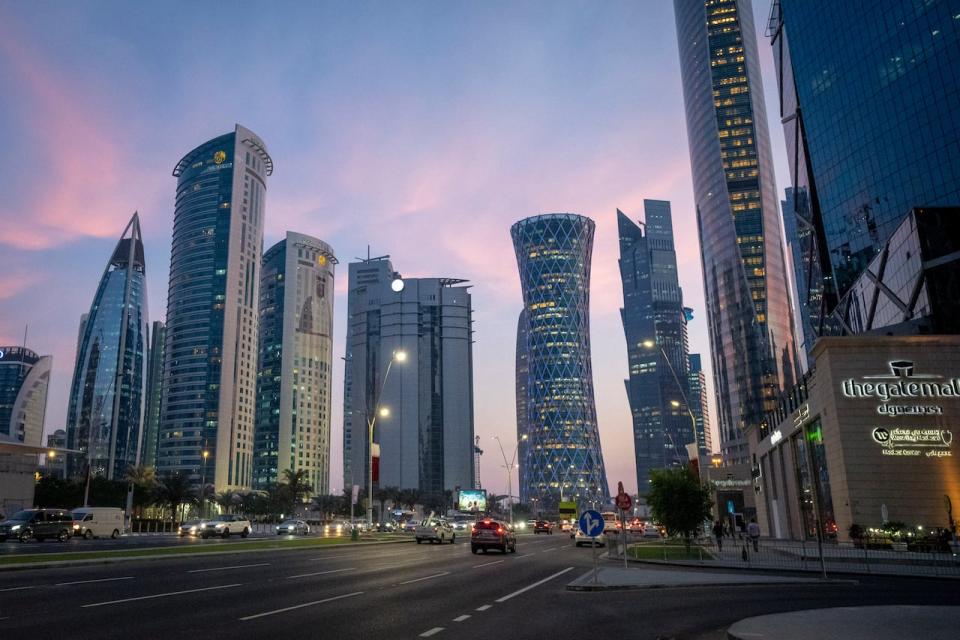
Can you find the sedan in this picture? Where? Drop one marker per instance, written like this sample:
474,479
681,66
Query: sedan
190,528
581,539
293,528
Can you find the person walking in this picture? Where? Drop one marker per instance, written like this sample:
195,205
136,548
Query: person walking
718,534
753,531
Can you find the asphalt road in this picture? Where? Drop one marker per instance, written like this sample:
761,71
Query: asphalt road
396,591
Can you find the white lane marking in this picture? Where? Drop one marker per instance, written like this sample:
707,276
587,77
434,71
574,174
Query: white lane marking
465,616
236,566
534,585
526,555
436,575
16,589
550,549
63,584
301,606
319,573
484,607
161,595
427,634
487,564
342,555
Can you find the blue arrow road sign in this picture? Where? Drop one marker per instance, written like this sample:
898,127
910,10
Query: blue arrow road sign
591,523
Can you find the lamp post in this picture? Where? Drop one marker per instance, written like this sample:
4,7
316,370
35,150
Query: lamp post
371,416
650,344
203,485
509,467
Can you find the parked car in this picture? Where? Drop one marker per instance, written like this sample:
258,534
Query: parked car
97,522
225,525
581,539
39,524
542,526
435,529
190,528
293,528
491,534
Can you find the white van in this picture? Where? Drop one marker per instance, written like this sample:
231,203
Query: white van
97,522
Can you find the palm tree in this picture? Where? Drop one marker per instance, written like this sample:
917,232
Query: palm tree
174,491
409,498
143,477
226,500
298,485
383,494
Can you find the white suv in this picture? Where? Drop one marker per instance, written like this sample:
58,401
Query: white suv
435,529
224,525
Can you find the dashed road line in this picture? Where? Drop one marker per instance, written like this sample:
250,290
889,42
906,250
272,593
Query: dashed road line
436,575
534,585
236,566
484,607
160,595
465,616
434,631
301,606
526,555
487,564
16,589
319,573
63,584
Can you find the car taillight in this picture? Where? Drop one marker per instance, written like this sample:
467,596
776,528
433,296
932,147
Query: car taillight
499,529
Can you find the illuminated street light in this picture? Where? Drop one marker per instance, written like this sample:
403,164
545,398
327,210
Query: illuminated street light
384,412
397,356
509,466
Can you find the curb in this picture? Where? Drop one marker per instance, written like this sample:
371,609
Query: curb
634,587
54,564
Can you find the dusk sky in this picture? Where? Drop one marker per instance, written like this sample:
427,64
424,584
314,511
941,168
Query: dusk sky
424,129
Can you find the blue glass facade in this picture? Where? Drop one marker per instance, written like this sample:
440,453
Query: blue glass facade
561,456
744,272
105,411
151,420
24,378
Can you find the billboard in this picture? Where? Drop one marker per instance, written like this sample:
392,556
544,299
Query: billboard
472,500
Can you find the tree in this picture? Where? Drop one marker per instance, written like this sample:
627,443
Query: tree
174,491
143,479
298,486
522,511
225,500
678,501
409,498
383,494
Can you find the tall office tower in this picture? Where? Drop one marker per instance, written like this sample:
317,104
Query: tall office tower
869,101
210,359
151,420
699,404
424,400
24,378
744,273
797,238
654,323
295,369
561,457
105,410
522,400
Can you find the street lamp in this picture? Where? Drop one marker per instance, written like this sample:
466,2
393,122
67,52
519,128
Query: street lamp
650,344
203,483
509,467
398,356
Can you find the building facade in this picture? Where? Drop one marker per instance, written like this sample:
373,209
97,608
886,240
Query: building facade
210,359
744,272
854,86
24,379
522,397
154,394
798,237
105,410
561,457
424,426
699,403
295,368
654,323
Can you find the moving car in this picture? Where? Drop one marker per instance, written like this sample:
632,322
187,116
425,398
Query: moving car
491,534
39,524
463,523
293,528
581,539
410,526
225,525
435,529
97,522
190,528
636,527
651,531
542,526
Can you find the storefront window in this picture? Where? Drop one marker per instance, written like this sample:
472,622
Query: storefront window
810,455
806,487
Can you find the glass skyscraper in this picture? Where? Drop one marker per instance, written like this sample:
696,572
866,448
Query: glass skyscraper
105,410
151,420
699,403
210,359
869,98
654,326
561,457
24,379
748,306
295,368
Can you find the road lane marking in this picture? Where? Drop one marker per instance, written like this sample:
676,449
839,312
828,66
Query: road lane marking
15,589
550,549
342,555
161,595
427,634
319,573
465,616
436,575
301,606
526,555
63,584
487,564
534,585
236,566
484,607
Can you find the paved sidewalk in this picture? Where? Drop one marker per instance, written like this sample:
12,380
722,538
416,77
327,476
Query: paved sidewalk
618,578
894,622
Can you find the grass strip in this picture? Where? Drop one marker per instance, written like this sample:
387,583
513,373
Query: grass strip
654,551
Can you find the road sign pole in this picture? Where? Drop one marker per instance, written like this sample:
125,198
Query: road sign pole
593,545
623,530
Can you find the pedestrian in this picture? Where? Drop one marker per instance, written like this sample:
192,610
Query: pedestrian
753,530
718,534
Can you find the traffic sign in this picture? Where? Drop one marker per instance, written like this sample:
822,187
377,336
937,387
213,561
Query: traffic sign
624,502
591,523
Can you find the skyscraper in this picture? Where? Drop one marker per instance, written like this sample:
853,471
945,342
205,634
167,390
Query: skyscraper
105,410
425,431
798,237
869,102
24,379
561,456
699,404
294,373
655,328
748,308
210,359
151,420
521,396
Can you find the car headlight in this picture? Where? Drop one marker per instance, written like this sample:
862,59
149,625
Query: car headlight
15,527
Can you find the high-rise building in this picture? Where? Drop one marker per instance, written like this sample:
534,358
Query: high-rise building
54,464
561,457
425,427
699,404
210,359
521,395
295,369
24,379
744,272
797,238
654,323
105,410
869,102
151,420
